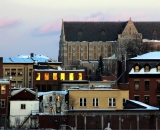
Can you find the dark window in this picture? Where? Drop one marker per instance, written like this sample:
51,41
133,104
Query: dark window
158,86
50,98
158,101
95,101
136,98
23,106
146,85
146,98
82,101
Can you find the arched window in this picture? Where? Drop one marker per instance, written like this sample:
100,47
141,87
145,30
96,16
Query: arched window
70,52
136,68
102,51
94,53
85,54
77,52
147,68
109,51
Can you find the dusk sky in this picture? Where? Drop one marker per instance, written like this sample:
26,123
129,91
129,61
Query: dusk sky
33,26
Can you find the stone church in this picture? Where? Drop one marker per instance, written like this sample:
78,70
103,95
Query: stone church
86,41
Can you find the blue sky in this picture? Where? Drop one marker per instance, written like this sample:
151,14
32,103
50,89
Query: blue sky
33,26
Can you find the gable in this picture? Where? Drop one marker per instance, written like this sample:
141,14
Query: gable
23,95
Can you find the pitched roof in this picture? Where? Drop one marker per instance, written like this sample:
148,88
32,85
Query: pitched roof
91,31
14,92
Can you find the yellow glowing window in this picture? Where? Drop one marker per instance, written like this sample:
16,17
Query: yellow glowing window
62,76
46,76
3,89
38,76
136,69
158,69
79,76
54,76
71,76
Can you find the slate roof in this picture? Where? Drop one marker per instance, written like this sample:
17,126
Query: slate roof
91,31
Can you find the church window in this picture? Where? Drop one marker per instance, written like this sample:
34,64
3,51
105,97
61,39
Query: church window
69,52
77,52
85,53
109,51
102,51
94,52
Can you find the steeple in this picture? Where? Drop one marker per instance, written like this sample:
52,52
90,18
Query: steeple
62,37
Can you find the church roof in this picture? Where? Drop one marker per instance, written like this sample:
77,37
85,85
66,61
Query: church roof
94,31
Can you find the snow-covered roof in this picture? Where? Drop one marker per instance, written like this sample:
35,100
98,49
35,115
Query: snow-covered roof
14,92
50,92
152,71
147,56
28,59
147,40
147,107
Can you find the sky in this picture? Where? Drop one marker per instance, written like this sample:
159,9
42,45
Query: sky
34,26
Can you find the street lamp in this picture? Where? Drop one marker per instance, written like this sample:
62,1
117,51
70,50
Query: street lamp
63,127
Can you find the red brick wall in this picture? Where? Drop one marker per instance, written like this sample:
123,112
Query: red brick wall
152,92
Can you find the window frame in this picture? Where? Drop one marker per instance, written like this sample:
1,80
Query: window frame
111,102
82,102
3,100
95,102
23,106
3,91
135,83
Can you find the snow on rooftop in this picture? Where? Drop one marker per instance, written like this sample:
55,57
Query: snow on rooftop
148,107
50,92
152,71
147,40
150,55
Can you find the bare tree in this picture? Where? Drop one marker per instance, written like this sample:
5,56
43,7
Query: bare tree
72,102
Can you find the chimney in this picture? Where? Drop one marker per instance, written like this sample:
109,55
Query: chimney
32,54
36,96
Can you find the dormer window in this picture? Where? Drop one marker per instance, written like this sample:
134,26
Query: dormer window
158,68
136,69
80,37
103,35
146,68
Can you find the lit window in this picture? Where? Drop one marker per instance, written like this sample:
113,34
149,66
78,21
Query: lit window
136,69
3,89
71,76
62,76
38,76
82,102
95,102
112,102
54,76
46,76
136,84
79,76
2,101
146,68
23,106
158,68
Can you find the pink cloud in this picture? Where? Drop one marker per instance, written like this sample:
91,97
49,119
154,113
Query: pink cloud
50,27
7,22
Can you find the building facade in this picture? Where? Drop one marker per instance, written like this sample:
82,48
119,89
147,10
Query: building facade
88,40
20,68
144,78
